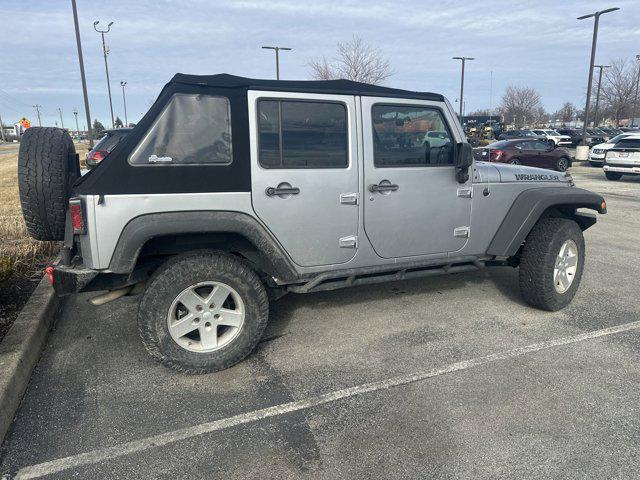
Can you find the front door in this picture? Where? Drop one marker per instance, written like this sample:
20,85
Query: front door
304,173
413,203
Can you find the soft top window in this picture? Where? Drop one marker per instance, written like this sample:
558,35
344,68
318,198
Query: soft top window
192,129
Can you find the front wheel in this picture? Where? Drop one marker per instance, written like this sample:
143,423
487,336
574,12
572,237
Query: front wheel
202,312
551,263
613,175
514,161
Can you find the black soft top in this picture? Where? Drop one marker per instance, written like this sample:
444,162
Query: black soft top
341,87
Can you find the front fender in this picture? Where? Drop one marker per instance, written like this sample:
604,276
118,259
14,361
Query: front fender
530,205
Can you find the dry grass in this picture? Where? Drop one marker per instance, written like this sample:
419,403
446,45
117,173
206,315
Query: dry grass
20,255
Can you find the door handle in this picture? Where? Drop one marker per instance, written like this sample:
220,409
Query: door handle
273,191
389,187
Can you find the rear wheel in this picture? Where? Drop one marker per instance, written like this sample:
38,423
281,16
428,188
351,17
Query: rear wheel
47,169
613,175
562,164
202,312
551,263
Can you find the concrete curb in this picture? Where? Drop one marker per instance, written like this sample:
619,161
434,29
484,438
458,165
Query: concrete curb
21,347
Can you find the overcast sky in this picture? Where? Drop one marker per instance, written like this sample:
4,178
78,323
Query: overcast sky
536,43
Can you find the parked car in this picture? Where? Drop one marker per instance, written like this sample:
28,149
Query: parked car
622,159
510,134
611,132
597,136
597,153
575,135
555,137
231,192
534,152
104,146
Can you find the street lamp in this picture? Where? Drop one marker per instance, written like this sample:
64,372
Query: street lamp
124,100
595,112
277,50
75,112
596,16
635,100
106,67
464,60
61,121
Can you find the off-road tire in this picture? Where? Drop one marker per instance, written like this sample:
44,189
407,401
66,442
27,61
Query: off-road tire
613,175
537,262
179,273
47,169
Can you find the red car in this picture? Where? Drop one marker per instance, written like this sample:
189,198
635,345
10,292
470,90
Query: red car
532,152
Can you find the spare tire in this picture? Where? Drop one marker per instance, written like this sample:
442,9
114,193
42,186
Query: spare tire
47,169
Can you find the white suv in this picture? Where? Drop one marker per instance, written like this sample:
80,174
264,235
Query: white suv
557,139
597,153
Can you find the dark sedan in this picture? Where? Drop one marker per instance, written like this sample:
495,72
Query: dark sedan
534,153
107,143
511,134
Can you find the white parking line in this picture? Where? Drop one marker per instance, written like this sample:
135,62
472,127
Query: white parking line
101,455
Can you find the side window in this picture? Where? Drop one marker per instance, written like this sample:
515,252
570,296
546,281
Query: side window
410,136
191,129
628,143
302,134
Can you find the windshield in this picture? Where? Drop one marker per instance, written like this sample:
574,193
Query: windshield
618,137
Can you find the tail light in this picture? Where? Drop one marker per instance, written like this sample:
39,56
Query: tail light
76,213
496,154
49,272
96,156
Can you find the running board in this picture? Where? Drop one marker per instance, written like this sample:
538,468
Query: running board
329,280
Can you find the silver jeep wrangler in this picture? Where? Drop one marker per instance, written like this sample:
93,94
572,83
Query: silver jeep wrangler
233,191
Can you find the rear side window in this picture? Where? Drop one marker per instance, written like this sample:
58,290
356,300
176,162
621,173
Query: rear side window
410,136
191,130
302,134
628,143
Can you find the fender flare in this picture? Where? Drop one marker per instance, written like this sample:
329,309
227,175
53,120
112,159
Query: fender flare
143,228
531,204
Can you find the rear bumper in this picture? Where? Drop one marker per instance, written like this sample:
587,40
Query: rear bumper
68,280
628,170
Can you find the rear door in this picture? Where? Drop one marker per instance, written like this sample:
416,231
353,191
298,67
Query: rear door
413,204
304,173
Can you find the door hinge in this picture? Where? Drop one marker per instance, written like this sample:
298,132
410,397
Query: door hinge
461,232
349,198
465,192
348,242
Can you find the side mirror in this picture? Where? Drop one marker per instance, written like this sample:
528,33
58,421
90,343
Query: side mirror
464,159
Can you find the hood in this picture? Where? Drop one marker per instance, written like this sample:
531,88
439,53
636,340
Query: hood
520,174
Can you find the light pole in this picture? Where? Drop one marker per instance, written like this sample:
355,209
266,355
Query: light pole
84,80
277,50
595,110
464,60
596,16
75,113
61,121
635,100
106,67
124,100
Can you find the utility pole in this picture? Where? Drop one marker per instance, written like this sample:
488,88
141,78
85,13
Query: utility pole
596,16
60,112
636,110
277,50
124,100
105,52
84,80
464,60
595,110
38,107
75,112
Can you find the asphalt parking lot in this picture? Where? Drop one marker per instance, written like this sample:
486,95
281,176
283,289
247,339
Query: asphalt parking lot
449,377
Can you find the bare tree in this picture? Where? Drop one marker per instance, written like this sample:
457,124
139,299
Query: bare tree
355,60
520,105
482,112
566,114
618,89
